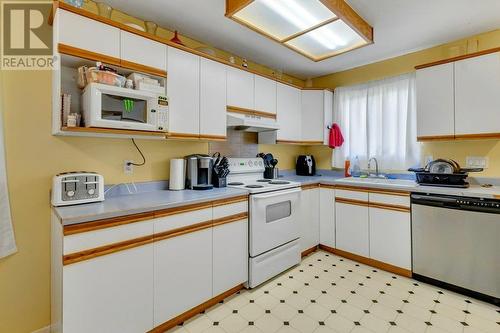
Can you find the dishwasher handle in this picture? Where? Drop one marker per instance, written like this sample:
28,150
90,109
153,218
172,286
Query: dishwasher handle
434,200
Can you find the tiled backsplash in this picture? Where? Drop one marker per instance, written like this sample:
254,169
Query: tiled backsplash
238,144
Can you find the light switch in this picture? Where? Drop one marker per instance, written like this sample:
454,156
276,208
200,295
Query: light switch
477,162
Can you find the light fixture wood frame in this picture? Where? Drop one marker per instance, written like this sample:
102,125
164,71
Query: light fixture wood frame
340,8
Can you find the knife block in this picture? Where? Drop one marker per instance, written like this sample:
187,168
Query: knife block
219,182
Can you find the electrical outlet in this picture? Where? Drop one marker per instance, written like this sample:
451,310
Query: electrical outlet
477,162
128,168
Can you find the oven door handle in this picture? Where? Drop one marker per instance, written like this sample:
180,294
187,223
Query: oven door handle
277,193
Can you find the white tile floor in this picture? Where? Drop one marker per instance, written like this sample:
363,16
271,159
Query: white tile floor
327,293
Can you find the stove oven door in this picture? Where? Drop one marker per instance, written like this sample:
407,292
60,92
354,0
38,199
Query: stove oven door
274,219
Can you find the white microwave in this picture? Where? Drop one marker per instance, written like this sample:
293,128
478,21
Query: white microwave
121,108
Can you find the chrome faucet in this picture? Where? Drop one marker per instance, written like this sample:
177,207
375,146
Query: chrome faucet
370,167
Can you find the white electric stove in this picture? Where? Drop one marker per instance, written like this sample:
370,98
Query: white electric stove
273,219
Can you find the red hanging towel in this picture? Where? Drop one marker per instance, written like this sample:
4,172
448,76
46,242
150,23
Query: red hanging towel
336,138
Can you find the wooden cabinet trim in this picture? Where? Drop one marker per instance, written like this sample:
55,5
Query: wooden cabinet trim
458,58
211,137
477,136
330,186
309,186
396,208
182,231
143,68
236,109
230,219
195,311
299,142
368,261
372,190
106,249
89,55
309,251
112,131
106,223
182,209
436,138
351,202
95,17
171,135
230,201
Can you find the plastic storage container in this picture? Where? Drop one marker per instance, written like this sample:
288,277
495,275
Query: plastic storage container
105,77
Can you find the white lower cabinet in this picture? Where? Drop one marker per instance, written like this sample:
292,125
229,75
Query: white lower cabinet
110,293
230,256
390,237
309,221
182,274
327,216
352,228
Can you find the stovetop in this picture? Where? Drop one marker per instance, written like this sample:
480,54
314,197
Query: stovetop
247,174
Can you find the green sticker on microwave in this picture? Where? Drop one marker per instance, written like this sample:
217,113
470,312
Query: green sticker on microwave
128,105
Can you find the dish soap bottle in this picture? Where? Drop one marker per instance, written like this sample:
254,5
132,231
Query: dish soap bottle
356,169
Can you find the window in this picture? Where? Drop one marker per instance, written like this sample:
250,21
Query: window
378,119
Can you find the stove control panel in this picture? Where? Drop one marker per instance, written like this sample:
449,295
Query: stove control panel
246,165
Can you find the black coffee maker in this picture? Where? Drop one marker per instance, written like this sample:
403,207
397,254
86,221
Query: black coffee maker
306,165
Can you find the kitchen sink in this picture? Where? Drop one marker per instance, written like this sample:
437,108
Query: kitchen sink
378,181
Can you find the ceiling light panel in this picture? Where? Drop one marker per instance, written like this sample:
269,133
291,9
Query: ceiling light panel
317,29
281,19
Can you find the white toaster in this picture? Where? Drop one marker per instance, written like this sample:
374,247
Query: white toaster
72,188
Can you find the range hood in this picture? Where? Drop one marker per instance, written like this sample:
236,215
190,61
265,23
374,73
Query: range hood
251,123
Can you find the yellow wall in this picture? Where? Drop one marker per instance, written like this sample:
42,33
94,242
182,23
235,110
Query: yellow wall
457,150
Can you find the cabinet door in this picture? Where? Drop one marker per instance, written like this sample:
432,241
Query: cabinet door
182,274
313,114
111,293
477,95
288,112
87,34
183,87
328,96
435,101
265,94
143,51
390,237
327,217
309,208
240,88
351,224
230,251
212,98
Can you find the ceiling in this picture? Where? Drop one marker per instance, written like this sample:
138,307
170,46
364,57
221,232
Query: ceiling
400,27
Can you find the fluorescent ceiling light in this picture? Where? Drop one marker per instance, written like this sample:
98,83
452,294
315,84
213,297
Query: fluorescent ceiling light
317,29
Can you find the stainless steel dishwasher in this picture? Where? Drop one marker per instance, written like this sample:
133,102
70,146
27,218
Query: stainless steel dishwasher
456,244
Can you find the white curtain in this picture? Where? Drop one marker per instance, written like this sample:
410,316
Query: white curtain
378,119
7,241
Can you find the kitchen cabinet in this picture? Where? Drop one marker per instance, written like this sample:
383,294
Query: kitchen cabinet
114,291
87,34
390,237
436,101
183,88
327,216
288,105
230,255
352,222
309,221
240,88
316,113
182,275
477,97
265,94
212,98
143,51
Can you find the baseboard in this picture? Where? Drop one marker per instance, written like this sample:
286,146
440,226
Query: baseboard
194,311
309,251
45,329
368,261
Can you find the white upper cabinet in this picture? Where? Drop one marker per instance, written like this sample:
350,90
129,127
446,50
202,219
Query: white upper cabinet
477,95
183,87
265,94
316,115
143,51
435,101
288,113
87,34
240,88
212,98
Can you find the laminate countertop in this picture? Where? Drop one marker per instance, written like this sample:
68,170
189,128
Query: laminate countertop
141,202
